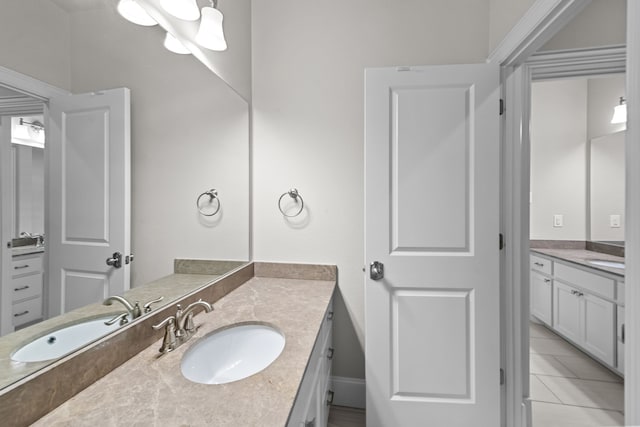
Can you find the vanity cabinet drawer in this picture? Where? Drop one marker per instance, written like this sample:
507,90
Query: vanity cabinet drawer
592,282
25,287
27,311
23,265
540,264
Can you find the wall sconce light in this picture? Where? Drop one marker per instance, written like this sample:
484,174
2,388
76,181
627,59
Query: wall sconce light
174,45
620,112
182,9
133,12
211,34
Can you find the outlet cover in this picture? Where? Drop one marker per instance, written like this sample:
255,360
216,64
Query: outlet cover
558,220
614,221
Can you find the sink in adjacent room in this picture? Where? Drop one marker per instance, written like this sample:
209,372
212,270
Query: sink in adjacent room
605,263
232,354
64,340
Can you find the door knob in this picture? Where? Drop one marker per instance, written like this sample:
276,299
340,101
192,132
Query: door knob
376,270
115,260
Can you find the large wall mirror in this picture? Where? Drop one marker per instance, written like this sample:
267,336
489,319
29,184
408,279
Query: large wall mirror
577,160
189,134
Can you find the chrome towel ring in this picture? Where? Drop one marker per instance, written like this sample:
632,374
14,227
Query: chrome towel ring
213,195
295,195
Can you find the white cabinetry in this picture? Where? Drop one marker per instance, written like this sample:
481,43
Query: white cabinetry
311,408
584,307
26,288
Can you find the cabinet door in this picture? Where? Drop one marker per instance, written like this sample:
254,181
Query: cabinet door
566,311
621,337
599,327
541,293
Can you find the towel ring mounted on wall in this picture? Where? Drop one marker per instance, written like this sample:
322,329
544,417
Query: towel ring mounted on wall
213,195
295,195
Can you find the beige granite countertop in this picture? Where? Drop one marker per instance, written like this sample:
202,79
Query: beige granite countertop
149,389
582,256
170,287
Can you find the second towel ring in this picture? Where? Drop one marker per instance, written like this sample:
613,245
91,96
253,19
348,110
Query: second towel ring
294,194
213,194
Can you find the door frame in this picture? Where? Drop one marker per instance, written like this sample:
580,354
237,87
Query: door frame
42,91
543,20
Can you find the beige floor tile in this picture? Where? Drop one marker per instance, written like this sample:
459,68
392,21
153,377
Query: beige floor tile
587,393
340,416
545,364
539,331
554,415
539,392
551,346
587,369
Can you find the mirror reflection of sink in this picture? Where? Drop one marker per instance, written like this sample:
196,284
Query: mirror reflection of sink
64,340
232,354
604,263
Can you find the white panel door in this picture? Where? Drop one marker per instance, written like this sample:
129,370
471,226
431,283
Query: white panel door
432,210
599,327
88,146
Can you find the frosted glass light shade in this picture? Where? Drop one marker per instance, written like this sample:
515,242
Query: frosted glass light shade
210,34
174,45
619,114
182,9
133,12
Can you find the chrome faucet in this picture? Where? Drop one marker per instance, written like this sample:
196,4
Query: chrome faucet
180,327
133,310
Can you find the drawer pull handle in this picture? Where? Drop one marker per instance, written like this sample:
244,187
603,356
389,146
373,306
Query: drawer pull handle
21,314
21,288
19,267
330,315
330,353
329,397
539,264
547,280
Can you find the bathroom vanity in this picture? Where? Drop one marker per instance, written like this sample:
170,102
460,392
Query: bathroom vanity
579,294
150,389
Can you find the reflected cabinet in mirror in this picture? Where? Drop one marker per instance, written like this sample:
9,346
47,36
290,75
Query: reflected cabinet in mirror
107,143
577,160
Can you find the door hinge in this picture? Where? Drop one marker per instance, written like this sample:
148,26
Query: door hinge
501,241
502,378
501,106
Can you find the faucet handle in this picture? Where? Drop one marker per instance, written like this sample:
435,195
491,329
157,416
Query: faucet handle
122,317
147,305
169,342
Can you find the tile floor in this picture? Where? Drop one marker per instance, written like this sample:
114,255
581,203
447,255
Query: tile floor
568,388
341,416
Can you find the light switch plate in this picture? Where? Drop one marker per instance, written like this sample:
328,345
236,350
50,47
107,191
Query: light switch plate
558,220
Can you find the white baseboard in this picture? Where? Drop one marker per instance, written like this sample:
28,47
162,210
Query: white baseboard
348,392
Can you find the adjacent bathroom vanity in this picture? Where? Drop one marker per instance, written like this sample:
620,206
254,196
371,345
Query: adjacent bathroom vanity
579,294
150,389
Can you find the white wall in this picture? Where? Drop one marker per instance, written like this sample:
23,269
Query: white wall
607,186
558,159
308,97
189,134
601,23
36,40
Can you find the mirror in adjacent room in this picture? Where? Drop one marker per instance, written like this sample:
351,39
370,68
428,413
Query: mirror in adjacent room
577,160
189,134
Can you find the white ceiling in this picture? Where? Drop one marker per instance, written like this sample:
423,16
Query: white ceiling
80,5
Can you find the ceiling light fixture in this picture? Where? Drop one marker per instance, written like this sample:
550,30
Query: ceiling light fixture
182,9
620,112
175,45
211,34
133,12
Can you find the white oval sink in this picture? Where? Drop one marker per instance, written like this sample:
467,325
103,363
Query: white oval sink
65,340
603,263
232,354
